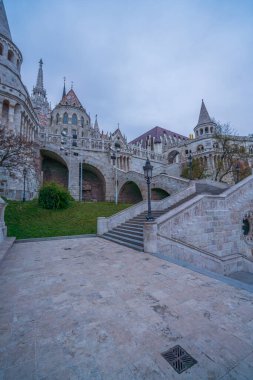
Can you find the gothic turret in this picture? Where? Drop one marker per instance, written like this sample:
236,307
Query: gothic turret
205,124
4,25
39,98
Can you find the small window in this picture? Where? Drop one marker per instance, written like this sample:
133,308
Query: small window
10,55
211,130
1,49
206,130
82,121
201,131
57,118
74,119
65,118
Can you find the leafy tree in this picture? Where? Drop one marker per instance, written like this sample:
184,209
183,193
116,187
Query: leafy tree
16,153
196,171
231,153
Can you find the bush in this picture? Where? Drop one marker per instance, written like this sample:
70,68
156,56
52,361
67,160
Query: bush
54,196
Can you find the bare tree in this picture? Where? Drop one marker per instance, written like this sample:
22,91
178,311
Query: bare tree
16,153
231,154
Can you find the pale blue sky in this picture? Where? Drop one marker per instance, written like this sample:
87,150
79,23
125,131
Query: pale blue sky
142,63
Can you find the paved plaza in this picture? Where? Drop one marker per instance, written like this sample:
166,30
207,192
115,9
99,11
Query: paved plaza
91,309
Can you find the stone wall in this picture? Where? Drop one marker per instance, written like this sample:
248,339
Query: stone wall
208,228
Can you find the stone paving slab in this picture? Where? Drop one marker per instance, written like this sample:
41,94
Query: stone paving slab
91,309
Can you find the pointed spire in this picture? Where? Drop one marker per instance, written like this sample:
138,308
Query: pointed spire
39,83
96,127
204,117
4,25
64,88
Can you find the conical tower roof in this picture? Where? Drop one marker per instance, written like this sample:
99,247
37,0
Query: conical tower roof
204,117
4,25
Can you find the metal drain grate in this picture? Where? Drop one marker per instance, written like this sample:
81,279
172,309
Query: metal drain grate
179,359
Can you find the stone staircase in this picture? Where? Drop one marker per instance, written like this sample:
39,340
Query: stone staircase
130,233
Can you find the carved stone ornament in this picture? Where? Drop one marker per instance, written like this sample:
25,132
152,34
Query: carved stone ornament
247,227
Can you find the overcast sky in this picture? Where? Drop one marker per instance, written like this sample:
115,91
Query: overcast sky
142,63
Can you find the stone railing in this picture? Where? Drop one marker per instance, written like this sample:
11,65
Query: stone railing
3,228
105,224
87,143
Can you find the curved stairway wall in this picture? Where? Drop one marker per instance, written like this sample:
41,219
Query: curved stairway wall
206,231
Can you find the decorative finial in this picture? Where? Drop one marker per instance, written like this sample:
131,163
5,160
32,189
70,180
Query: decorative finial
40,62
72,83
118,125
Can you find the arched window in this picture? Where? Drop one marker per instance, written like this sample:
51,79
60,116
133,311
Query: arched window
18,64
65,118
57,118
74,119
82,121
201,131
10,55
1,49
211,130
200,148
206,129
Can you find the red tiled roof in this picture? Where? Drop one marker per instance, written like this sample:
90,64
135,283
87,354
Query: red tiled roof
70,99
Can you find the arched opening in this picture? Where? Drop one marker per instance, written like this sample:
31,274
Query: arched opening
10,56
93,184
54,168
173,157
57,118
1,49
157,194
5,112
130,193
74,119
65,118
82,121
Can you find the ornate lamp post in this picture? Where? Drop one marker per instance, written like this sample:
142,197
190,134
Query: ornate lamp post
190,165
24,174
148,176
114,157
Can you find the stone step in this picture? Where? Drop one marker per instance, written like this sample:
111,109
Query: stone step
127,239
129,226
128,231
129,245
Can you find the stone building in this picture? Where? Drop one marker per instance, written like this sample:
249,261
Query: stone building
75,151
16,110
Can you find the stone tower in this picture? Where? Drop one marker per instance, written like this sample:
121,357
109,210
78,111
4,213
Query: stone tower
205,124
39,99
16,111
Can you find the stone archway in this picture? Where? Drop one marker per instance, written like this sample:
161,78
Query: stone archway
93,184
173,157
54,168
157,194
130,193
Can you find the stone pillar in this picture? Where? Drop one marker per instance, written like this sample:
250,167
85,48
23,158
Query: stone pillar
11,117
73,184
102,225
150,237
3,228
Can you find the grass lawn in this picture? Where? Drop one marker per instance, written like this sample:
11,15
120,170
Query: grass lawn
28,220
